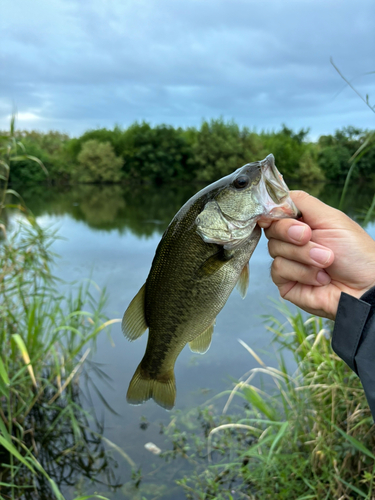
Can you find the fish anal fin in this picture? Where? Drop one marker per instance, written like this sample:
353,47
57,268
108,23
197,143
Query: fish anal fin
243,281
134,322
161,389
202,343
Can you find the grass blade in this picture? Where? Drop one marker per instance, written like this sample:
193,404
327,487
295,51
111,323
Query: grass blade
25,355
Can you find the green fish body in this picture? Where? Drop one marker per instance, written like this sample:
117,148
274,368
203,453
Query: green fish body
202,256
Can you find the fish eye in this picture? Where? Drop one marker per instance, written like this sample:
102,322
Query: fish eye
241,182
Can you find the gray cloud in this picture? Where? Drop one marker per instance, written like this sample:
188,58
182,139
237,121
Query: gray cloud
74,65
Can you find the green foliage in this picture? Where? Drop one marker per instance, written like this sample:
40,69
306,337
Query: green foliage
308,170
337,151
311,437
161,154
27,171
334,161
158,154
220,148
97,162
290,150
115,137
50,148
46,334
12,153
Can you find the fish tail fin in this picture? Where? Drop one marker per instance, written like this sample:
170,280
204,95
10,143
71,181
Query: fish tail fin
162,390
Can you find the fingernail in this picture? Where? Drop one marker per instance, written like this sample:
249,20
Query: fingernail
319,255
323,278
296,232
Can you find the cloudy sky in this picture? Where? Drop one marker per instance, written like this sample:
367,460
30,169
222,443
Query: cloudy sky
71,65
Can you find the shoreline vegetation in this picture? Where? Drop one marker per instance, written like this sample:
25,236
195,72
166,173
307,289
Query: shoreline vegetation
48,330
161,154
298,435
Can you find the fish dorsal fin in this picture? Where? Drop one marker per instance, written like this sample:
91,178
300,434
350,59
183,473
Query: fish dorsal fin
243,281
202,343
134,322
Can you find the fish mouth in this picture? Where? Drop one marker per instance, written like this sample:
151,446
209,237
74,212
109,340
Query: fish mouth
274,193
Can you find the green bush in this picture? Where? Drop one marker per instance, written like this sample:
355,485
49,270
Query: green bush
308,169
220,148
51,149
27,171
159,154
97,162
334,161
115,137
289,148
336,151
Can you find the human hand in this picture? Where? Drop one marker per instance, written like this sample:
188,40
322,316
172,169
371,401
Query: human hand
317,259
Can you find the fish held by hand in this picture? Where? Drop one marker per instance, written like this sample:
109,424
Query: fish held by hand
202,256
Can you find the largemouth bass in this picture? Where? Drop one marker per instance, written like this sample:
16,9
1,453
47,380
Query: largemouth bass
202,255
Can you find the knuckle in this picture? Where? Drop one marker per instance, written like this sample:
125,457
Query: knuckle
277,265
271,247
305,275
283,292
270,231
274,274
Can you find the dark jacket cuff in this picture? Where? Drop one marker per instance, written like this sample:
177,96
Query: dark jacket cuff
351,317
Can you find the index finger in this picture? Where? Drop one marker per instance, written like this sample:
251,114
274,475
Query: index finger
290,231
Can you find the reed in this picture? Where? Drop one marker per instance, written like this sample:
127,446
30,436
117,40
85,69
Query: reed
12,151
310,436
366,146
47,332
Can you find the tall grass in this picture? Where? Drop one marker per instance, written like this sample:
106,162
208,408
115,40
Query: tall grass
12,151
47,331
310,437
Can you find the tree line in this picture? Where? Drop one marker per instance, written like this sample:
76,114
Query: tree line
162,153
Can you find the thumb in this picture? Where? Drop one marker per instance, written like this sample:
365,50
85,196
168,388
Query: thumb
315,213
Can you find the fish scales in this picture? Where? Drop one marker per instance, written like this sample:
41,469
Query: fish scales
191,298
201,257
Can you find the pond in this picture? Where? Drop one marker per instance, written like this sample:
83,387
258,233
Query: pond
109,234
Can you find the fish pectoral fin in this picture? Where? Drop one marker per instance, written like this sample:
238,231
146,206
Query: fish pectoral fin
243,281
134,322
202,343
162,390
214,263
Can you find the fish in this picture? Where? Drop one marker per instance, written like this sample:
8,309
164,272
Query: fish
203,254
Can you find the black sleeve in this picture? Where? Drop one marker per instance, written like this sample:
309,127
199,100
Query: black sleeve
353,339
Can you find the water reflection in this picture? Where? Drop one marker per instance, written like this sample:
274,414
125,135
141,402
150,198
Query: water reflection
357,200
145,209
67,443
137,207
